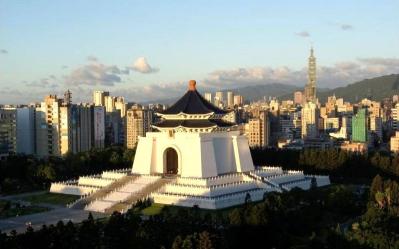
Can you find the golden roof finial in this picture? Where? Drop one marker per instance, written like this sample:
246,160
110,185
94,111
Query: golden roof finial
191,85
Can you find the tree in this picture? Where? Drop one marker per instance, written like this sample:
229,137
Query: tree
204,241
380,199
376,186
177,243
87,231
128,156
188,242
235,217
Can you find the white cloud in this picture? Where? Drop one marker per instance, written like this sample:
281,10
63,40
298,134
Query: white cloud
389,62
3,51
94,73
92,58
152,92
44,83
82,79
338,74
141,65
303,34
346,27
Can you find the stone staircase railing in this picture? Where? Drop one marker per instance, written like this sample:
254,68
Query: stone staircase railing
144,193
263,180
102,192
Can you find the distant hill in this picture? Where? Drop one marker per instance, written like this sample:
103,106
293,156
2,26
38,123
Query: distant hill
249,93
376,88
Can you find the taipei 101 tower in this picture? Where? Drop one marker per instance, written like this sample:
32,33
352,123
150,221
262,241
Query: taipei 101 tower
310,88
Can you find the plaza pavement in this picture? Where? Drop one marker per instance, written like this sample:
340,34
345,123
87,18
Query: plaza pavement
37,220
46,218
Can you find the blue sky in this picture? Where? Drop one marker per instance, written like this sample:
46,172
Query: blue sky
140,49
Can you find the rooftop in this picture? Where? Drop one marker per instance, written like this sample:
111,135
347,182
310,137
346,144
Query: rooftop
193,103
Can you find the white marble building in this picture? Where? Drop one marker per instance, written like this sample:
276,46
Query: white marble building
195,158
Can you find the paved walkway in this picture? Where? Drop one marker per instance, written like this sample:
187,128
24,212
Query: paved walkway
21,196
39,219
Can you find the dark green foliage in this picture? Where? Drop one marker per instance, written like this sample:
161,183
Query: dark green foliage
379,226
19,173
339,164
338,216
296,219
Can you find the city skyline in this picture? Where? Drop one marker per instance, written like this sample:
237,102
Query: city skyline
142,49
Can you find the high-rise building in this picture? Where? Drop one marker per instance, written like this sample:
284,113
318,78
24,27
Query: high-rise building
113,128
121,105
395,117
219,100
290,126
68,128
82,118
238,100
310,120
99,126
258,133
332,123
138,122
208,96
310,88
230,99
26,130
395,143
298,97
76,128
99,98
8,131
67,97
375,126
373,107
66,138
274,106
345,129
47,123
359,126
109,103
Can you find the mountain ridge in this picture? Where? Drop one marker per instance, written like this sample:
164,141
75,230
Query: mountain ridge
376,88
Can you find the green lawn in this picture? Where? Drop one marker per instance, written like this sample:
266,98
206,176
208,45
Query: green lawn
7,211
51,198
154,209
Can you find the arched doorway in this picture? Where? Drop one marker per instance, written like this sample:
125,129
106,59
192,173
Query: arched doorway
171,161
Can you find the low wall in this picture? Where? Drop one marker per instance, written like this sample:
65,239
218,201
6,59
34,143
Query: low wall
94,181
208,203
208,191
211,181
113,175
71,189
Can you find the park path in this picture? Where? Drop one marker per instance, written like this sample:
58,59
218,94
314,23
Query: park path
21,196
51,217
